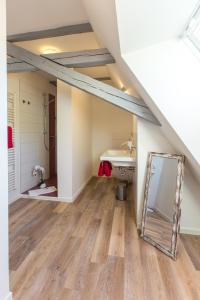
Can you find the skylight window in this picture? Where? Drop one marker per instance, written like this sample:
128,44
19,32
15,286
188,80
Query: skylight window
193,29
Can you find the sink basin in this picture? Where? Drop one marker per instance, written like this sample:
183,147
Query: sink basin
120,158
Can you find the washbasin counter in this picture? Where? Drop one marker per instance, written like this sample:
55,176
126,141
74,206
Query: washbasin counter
120,158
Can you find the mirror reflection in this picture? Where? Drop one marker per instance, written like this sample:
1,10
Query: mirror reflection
161,199
161,214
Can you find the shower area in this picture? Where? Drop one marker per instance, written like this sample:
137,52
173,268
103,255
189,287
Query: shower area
46,171
32,119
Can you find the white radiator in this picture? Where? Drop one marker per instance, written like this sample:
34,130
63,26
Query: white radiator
12,151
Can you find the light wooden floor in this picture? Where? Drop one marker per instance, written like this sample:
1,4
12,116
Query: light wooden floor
90,250
192,246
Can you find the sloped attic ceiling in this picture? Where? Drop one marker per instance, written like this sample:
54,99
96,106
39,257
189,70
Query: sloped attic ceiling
102,16
151,22
136,34
25,16
45,20
52,14
153,16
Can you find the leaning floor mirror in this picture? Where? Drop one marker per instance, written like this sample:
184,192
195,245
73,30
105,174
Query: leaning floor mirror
162,200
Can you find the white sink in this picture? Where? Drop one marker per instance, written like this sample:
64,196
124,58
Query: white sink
120,158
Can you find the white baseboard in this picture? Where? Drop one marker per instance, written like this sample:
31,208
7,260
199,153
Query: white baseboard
26,196
47,198
9,296
190,230
12,200
77,193
65,199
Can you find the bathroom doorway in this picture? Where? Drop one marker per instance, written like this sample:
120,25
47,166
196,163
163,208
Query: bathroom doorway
32,121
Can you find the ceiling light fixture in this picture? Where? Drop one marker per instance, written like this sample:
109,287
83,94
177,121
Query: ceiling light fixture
49,50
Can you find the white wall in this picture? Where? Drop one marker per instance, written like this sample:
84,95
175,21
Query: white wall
82,140
4,272
111,126
64,140
190,221
74,131
87,126
30,87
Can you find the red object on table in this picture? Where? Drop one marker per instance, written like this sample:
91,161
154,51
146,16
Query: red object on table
10,137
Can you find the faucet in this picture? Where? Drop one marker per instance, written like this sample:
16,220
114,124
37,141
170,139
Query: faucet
130,145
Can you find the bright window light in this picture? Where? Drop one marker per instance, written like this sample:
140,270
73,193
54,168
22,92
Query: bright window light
193,29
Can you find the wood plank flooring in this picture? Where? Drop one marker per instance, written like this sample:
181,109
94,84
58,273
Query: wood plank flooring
90,250
192,246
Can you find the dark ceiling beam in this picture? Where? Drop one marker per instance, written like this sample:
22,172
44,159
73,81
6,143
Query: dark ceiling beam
82,59
85,83
49,33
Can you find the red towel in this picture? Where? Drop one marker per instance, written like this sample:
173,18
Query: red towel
101,169
10,137
105,168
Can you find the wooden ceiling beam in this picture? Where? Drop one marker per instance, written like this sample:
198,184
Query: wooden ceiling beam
53,82
50,33
82,59
20,67
84,82
77,59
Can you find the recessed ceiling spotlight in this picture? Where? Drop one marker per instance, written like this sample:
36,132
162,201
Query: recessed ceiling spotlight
123,88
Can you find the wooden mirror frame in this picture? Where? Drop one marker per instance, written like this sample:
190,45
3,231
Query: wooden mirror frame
177,203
